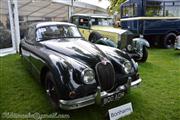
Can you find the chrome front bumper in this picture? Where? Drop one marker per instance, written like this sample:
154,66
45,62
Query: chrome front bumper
95,98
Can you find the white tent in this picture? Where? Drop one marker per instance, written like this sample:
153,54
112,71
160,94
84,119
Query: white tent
55,10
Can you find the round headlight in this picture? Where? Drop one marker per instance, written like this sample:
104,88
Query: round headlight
88,76
127,67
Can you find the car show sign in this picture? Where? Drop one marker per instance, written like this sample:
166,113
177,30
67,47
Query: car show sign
121,111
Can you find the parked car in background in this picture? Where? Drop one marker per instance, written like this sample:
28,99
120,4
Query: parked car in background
157,20
177,43
5,37
99,29
74,72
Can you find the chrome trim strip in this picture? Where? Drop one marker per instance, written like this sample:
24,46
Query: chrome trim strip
77,103
136,83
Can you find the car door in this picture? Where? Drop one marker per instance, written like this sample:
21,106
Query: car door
30,50
35,53
26,47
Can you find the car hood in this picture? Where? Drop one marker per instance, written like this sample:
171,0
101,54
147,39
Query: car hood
76,48
109,29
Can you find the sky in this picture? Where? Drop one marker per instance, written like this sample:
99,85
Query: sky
103,3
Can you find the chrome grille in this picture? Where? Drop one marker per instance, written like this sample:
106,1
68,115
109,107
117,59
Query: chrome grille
106,75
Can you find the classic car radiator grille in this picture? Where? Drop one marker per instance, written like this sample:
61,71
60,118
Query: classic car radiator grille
106,75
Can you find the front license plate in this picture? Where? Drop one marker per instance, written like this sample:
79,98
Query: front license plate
113,97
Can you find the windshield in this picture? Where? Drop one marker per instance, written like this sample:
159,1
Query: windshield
102,21
57,31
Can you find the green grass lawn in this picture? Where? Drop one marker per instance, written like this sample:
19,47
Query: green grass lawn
158,97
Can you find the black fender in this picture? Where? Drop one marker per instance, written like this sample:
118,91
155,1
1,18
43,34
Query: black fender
63,70
138,49
139,43
60,72
94,36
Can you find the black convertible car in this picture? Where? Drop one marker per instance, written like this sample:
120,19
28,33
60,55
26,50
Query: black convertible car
74,72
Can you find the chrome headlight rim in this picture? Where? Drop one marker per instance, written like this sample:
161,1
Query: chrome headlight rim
84,73
127,67
135,64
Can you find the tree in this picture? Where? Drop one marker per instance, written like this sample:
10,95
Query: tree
115,6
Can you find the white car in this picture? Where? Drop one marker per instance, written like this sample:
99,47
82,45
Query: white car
177,43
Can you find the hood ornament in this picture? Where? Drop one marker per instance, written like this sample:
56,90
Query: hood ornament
104,61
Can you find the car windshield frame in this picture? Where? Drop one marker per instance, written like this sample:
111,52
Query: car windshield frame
109,21
40,39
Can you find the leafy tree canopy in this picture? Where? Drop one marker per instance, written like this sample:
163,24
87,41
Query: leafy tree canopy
115,6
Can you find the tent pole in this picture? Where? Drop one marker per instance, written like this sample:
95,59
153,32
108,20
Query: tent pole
11,19
70,9
16,23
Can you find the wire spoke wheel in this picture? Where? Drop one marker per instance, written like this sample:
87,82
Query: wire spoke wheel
170,43
50,90
169,40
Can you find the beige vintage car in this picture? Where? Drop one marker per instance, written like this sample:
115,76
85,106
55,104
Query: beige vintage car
99,29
